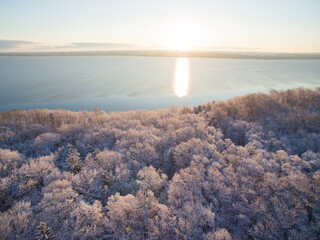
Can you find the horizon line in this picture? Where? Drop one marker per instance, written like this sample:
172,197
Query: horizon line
191,53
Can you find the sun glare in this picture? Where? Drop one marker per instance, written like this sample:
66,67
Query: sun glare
181,83
183,36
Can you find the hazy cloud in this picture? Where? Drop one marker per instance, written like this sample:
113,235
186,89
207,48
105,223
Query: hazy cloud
103,45
94,46
228,48
28,46
12,44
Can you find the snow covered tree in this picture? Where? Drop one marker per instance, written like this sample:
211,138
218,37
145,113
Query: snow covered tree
153,180
59,200
87,221
139,217
245,168
219,234
9,161
18,222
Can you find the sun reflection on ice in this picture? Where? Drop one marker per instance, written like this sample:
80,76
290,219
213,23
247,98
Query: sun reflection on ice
181,83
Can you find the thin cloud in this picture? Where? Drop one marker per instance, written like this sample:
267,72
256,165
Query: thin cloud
95,46
102,45
17,45
29,46
228,48
14,44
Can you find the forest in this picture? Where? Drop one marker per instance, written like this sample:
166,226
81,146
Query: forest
244,168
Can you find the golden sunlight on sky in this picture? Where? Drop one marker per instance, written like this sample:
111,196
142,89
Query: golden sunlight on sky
232,25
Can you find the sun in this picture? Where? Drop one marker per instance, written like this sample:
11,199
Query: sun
183,35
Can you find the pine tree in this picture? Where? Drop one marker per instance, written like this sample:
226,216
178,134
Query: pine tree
73,159
44,232
95,153
173,164
105,178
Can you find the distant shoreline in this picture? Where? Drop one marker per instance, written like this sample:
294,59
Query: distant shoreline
173,53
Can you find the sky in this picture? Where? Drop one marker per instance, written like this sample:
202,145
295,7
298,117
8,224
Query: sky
229,25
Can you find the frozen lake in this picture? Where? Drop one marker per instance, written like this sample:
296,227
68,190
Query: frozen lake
115,83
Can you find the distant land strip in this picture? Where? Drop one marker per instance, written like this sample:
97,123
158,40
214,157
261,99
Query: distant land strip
172,53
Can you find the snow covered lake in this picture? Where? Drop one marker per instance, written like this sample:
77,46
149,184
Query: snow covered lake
117,83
